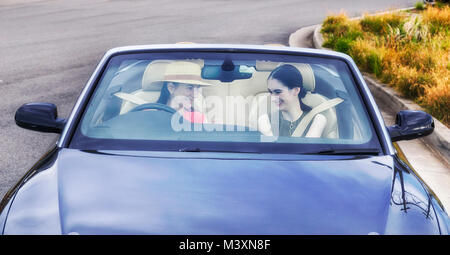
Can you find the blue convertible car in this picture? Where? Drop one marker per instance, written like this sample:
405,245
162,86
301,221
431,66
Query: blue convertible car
223,139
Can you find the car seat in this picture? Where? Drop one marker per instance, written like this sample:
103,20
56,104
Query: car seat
262,106
151,88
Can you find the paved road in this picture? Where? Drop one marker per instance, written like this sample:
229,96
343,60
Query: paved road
48,49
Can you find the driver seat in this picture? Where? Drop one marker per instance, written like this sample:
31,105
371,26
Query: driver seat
151,88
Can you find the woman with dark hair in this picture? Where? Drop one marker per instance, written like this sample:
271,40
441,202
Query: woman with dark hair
178,95
182,83
285,84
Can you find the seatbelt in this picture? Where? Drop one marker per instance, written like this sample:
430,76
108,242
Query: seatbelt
131,98
310,115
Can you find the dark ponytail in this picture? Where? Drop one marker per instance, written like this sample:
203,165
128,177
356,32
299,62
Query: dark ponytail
291,77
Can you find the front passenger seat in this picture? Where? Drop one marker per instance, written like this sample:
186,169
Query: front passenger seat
311,99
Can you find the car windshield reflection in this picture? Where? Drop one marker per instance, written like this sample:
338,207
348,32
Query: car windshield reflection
224,99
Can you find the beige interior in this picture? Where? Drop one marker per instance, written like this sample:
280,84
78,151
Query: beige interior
150,90
249,97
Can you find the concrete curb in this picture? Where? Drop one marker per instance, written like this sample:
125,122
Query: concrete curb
300,38
438,141
318,38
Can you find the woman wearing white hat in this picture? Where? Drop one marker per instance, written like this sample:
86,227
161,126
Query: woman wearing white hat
182,85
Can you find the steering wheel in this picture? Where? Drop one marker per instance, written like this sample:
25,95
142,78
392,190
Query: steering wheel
154,106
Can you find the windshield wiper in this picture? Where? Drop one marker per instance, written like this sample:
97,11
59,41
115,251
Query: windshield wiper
330,151
189,149
196,149
368,151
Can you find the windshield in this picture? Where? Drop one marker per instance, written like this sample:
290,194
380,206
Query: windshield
234,102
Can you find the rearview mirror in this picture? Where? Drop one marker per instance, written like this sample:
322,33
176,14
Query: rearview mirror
39,117
227,71
410,125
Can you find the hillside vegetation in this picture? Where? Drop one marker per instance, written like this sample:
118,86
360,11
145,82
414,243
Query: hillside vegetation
409,51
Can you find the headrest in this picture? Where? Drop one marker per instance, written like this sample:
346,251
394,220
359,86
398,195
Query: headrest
309,82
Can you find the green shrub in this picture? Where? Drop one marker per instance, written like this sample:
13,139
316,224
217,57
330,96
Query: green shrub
374,63
335,24
339,33
381,25
395,20
409,52
372,24
334,19
419,6
329,42
342,44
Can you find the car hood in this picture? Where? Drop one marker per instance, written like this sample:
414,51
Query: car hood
204,193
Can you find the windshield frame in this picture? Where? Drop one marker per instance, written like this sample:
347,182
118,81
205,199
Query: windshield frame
79,110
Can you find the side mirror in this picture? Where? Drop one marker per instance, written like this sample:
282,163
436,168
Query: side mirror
39,117
410,125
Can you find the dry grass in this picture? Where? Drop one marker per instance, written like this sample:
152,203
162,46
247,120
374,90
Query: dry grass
438,16
408,51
